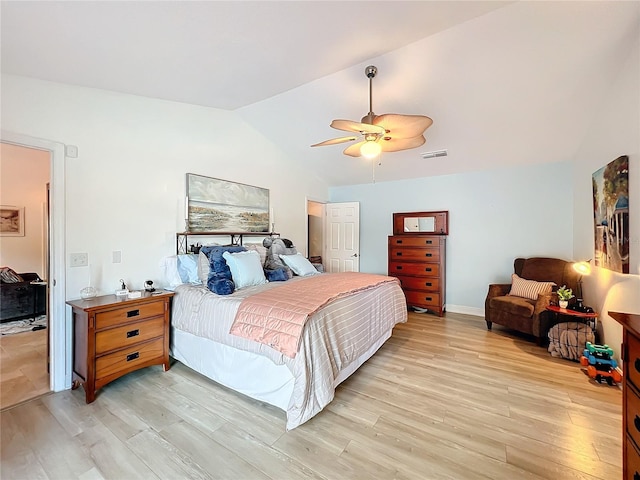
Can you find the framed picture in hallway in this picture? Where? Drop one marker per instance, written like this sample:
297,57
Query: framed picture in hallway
11,221
611,215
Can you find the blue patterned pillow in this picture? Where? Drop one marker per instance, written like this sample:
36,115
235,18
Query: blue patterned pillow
277,275
219,269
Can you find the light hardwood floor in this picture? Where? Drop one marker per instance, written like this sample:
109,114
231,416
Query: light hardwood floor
442,399
23,367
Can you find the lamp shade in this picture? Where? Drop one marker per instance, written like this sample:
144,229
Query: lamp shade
583,268
370,149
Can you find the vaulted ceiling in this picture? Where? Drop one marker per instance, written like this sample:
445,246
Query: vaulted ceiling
505,82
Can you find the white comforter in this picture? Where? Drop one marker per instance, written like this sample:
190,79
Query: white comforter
333,337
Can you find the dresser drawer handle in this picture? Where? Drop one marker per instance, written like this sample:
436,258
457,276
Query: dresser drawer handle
428,299
428,255
428,284
133,313
428,269
398,267
399,254
133,356
398,242
133,333
429,242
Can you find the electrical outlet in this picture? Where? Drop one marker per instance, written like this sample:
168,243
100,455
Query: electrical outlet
78,259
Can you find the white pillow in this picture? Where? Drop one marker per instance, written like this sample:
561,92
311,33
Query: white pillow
170,275
245,267
300,265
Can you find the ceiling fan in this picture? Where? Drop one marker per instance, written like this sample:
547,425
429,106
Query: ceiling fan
390,132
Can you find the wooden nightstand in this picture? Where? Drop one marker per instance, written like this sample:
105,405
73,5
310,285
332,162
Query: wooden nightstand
113,336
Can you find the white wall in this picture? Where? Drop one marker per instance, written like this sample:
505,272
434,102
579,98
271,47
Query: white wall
24,174
615,132
495,216
125,192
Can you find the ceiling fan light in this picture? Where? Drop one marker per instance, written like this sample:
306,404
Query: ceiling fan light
370,149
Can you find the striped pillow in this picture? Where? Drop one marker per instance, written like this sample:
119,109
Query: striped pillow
528,288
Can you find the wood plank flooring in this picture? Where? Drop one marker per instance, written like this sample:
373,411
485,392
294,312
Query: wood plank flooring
23,367
442,399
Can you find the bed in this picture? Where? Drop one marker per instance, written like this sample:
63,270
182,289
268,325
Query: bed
335,341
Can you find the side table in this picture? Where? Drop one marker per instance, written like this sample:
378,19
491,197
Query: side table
571,346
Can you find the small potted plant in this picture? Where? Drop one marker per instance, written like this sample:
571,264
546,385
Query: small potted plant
564,295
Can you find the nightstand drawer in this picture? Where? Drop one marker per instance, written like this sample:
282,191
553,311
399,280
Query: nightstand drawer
425,299
129,334
127,314
129,358
427,284
416,269
409,254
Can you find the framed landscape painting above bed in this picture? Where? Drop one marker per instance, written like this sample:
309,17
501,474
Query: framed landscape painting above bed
215,205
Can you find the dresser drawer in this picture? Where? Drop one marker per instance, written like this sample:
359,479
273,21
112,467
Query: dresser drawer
423,299
415,241
129,334
633,415
127,314
401,253
633,461
128,358
633,350
416,269
419,283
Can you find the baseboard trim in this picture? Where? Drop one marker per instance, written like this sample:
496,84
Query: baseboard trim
478,312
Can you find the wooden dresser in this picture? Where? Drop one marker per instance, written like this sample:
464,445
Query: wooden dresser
113,336
630,394
417,258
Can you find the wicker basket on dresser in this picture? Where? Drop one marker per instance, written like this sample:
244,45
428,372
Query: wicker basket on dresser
417,258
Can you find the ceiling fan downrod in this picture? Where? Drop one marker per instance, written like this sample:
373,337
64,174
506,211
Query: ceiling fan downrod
370,72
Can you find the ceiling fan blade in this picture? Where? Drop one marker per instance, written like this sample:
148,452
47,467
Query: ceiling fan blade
398,144
335,141
403,126
354,150
351,126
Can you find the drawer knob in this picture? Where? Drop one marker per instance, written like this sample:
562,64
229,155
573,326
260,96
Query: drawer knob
429,242
133,356
133,313
637,364
133,333
428,269
428,255
428,299
636,423
399,254
398,241
398,267
428,284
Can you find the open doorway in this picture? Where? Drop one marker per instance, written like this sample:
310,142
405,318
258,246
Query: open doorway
25,178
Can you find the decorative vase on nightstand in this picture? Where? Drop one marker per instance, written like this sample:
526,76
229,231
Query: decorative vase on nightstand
563,303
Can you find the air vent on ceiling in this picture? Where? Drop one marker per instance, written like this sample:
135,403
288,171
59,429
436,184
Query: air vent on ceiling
436,153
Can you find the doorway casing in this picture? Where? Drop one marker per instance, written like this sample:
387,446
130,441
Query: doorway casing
59,334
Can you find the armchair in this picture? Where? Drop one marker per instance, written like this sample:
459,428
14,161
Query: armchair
525,314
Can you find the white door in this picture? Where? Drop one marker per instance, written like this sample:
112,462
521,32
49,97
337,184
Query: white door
343,237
